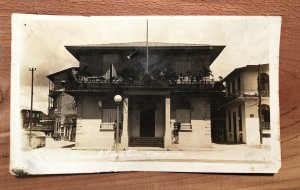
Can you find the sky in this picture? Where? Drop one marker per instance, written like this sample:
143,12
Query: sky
41,41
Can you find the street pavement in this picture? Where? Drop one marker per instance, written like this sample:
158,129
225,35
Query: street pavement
55,159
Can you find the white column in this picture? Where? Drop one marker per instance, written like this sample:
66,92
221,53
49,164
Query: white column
124,138
168,137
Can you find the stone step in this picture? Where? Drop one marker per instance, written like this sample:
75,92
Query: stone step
146,142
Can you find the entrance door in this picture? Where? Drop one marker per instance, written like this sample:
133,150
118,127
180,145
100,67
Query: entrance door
147,123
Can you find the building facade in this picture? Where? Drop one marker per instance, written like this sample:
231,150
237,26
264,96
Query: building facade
61,106
25,118
247,106
163,86
39,121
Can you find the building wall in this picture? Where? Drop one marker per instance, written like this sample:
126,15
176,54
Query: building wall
88,133
200,135
64,106
92,63
248,78
89,120
250,121
36,117
98,64
240,135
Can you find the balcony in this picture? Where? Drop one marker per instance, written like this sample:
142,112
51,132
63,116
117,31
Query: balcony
247,93
98,82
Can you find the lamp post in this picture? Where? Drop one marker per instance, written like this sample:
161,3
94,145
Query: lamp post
118,100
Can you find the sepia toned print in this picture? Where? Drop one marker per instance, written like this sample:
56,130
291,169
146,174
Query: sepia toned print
180,94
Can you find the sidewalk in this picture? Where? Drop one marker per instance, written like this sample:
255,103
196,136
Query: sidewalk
51,143
52,159
229,153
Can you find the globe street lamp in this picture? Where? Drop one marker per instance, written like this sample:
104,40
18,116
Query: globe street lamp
118,100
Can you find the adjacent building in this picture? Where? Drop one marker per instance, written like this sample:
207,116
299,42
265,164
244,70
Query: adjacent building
247,106
25,118
62,106
163,86
39,122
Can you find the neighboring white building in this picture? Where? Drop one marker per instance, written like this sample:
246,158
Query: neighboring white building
242,105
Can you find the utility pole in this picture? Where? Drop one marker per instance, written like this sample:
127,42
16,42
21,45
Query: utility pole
30,115
259,102
147,49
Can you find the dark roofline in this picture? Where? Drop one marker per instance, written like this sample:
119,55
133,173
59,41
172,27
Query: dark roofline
50,77
242,68
138,45
76,50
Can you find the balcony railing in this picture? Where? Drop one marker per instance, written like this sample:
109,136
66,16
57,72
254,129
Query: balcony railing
247,93
265,125
95,82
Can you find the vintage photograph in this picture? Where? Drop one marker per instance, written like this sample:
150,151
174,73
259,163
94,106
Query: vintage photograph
144,93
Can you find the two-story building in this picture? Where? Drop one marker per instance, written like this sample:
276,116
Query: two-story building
247,105
61,106
161,84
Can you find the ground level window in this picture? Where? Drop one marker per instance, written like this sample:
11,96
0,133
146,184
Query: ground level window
109,117
183,116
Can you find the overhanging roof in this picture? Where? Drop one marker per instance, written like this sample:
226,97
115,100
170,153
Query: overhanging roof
212,50
237,70
50,77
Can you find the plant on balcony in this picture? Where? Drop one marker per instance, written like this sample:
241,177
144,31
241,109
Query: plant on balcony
219,84
170,76
204,72
181,77
190,76
132,73
147,78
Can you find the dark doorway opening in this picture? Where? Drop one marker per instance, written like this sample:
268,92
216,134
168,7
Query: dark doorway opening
147,123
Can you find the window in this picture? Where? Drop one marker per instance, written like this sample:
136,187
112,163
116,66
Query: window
183,116
265,117
152,62
182,108
27,113
109,115
183,64
228,87
239,83
229,121
240,119
233,86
